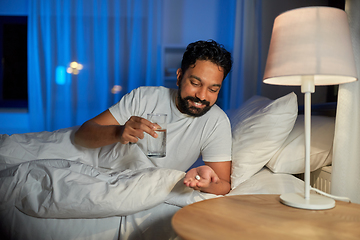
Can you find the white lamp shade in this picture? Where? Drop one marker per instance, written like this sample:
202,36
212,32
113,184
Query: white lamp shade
310,41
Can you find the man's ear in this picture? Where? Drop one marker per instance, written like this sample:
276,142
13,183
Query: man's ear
178,76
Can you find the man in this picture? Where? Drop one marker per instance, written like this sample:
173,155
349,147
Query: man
195,125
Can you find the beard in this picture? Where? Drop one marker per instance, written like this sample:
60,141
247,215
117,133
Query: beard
184,106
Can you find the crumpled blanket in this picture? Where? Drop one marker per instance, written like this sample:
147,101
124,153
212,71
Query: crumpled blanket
37,179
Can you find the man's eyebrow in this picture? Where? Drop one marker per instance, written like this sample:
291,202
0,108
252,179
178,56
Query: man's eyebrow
196,77
199,79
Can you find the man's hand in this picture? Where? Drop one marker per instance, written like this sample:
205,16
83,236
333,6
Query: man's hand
213,177
134,129
104,130
206,174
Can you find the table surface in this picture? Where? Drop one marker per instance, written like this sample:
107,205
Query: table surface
264,217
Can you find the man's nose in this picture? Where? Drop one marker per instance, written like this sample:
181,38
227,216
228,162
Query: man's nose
201,93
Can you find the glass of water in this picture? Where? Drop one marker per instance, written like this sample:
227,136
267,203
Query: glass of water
156,147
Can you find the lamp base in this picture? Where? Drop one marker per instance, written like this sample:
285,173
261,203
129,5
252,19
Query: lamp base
315,202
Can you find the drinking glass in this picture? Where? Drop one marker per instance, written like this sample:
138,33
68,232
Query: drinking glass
156,147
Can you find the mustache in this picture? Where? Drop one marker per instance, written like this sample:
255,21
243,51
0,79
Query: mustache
195,99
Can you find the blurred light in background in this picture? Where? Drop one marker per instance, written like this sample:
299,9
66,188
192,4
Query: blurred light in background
74,68
116,89
60,75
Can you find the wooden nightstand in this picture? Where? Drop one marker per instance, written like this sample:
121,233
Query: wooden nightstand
264,217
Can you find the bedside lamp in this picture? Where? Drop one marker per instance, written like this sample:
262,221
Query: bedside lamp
310,46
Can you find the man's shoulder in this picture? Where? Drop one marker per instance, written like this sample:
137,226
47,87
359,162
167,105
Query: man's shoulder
152,89
215,116
145,91
217,111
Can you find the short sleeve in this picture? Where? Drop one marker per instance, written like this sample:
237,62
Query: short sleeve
126,107
217,146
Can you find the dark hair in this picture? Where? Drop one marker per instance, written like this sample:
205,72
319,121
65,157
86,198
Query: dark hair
207,50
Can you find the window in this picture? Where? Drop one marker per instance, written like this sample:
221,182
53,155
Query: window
13,68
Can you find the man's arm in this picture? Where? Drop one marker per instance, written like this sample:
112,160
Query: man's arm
104,130
214,178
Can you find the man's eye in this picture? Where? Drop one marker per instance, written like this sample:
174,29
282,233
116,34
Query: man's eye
213,90
195,84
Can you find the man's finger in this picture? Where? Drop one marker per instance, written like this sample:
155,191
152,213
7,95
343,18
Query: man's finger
146,126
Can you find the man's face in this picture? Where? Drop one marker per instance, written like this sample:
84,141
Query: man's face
199,87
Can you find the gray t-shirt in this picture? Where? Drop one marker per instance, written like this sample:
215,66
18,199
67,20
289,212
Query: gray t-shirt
187,137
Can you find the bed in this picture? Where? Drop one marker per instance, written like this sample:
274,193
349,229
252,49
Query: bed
52,189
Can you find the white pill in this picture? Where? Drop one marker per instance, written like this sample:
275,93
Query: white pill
197,177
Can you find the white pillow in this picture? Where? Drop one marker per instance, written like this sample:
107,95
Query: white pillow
291,156
267,182
259,128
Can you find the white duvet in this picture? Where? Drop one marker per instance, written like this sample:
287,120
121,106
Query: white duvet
53,188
